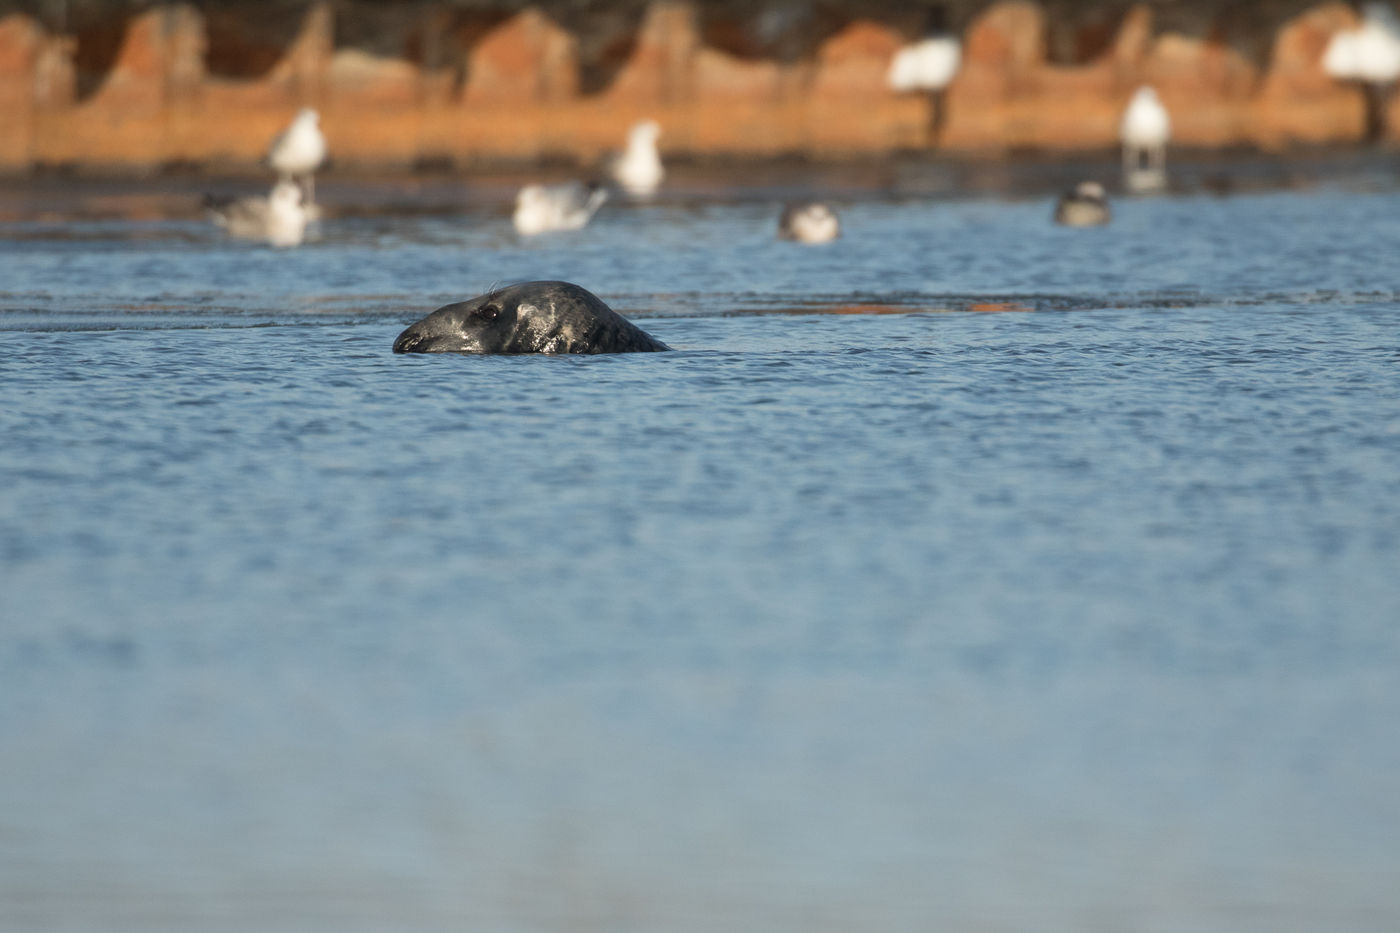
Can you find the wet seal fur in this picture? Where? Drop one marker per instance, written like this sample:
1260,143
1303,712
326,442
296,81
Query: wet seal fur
532,317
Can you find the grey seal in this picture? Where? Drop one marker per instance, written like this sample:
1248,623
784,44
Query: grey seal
532,317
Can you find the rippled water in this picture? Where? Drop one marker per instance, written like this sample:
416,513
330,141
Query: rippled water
865,609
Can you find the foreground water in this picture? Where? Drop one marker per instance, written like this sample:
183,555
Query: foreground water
1078,617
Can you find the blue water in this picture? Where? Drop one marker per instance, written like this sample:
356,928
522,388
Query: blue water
1076,616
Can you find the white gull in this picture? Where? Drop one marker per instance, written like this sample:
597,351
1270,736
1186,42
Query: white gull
1145,130
638,169
299,150
813,222
566,206
280,217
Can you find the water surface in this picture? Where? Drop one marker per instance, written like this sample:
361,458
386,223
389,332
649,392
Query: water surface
969,573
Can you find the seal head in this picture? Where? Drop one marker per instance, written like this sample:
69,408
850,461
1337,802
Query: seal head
533,317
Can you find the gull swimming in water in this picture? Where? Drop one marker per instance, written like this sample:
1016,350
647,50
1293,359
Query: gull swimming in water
1084,205
566,206
813,222
280,217
638,169
1145,129
299,150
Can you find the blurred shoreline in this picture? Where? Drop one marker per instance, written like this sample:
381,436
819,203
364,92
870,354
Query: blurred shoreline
135,87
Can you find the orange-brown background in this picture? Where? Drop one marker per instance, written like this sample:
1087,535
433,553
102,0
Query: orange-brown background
415,83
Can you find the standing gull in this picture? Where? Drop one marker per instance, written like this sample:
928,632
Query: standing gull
1145,130
567,206
280,217
928,66
638,170
1369,54
299,150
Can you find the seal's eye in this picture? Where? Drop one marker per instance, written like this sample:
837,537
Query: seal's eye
487,312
